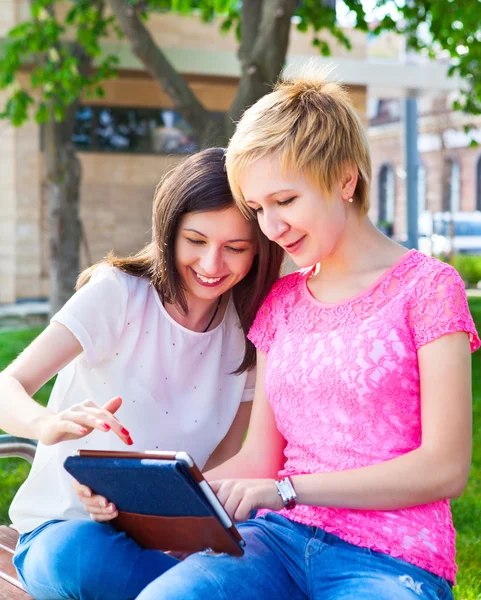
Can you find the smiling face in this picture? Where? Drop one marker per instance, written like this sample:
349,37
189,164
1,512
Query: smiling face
293,212
214,250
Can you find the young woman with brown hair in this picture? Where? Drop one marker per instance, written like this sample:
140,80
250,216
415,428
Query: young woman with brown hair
122,347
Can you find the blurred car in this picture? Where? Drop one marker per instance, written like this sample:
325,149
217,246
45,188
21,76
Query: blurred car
441,233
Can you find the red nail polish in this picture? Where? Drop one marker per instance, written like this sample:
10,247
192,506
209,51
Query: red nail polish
106,426
124,431
130,441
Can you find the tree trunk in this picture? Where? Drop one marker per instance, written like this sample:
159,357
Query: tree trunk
206,128
265,41
62,175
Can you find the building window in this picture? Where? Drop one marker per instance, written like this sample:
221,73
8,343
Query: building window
132,130
452,186
421,188
478,184
386,196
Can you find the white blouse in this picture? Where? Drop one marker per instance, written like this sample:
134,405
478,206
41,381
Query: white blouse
177,385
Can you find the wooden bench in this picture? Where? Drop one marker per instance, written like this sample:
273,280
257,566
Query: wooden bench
10,587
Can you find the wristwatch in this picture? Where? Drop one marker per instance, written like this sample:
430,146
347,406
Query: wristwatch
286,491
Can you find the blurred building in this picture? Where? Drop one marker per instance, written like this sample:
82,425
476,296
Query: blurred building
449,177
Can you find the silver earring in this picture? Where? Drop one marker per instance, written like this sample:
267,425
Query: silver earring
351,200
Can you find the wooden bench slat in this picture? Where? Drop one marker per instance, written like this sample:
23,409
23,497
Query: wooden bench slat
8,537
6,565
9,592
10,587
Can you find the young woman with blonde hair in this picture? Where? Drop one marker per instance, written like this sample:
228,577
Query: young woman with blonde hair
361,424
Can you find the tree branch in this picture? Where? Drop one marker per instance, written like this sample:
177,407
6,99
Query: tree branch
262,66
156,63
250,20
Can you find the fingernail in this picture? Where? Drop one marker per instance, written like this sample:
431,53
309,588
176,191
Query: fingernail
82,430
124,431
105,426
130,441
111,507
87,493
103,503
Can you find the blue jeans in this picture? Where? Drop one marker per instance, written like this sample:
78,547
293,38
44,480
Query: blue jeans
287,560
84,560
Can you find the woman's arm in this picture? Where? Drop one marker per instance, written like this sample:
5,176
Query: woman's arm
21,415
232,442
262,454
437,470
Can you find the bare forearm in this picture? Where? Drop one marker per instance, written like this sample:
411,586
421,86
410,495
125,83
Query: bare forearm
245,465
19,412
410,480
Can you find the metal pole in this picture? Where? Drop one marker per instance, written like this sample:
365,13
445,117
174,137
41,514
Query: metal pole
412,167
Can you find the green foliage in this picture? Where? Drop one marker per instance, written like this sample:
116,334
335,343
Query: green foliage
452,28
60,50
314,15
469,267
16,107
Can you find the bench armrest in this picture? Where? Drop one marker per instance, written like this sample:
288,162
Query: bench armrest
17,446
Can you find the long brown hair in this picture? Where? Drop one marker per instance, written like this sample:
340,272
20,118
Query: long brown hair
198,184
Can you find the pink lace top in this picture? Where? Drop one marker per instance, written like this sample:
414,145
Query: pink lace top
343,382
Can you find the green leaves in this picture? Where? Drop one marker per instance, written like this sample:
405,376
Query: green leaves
61,50
321,16
450,29
16,109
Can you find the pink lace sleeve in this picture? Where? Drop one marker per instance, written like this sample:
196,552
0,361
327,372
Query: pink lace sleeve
440,307
264,328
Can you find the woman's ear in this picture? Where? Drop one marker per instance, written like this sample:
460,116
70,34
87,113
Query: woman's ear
349,181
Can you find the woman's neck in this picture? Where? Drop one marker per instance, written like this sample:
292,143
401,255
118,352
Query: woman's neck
362,248
199,313
360,258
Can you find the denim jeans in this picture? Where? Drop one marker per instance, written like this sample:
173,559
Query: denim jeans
287,560
84,560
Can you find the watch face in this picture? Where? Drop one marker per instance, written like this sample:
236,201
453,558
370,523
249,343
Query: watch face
286,492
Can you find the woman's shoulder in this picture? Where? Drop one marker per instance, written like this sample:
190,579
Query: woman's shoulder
117,277
427,271
289,284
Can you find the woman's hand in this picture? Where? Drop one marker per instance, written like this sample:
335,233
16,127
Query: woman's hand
79,420
98,507
241,496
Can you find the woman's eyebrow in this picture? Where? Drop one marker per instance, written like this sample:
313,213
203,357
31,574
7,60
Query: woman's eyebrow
228,241
279,192
194,231
271,195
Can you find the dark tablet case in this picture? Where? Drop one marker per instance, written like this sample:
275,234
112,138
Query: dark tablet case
160,503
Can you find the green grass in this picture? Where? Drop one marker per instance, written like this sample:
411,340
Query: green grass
466,510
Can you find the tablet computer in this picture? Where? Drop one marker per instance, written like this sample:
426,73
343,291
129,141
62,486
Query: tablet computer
164,502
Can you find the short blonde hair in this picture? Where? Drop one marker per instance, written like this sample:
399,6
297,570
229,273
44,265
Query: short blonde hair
311,124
